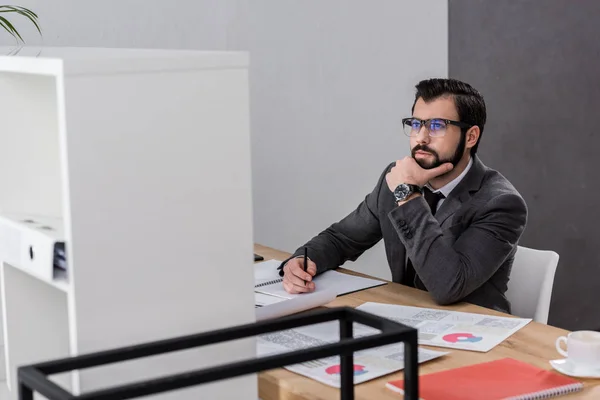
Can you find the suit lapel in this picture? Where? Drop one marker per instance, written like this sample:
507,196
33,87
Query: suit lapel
459,195
448,208
462,192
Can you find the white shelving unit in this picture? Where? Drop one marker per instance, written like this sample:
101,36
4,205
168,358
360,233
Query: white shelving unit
139,161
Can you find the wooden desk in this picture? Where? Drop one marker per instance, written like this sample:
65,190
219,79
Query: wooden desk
533,344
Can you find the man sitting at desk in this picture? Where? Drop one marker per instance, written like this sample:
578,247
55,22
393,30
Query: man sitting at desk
450,224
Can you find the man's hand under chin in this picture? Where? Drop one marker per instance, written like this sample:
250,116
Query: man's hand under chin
408,171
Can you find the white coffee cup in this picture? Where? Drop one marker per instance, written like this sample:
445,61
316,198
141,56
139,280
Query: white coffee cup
583,348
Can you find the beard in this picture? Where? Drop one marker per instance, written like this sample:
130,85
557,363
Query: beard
437,161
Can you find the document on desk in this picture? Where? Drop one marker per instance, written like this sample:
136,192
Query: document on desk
368,364
268,281
277,305
268,307
451,329
262,300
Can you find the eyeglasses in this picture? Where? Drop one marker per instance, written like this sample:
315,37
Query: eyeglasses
436,127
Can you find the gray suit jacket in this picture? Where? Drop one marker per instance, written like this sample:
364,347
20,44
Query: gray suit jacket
463,253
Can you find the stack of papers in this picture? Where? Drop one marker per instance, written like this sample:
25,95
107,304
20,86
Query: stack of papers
441,328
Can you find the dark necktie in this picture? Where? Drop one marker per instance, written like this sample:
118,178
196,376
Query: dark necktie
432,200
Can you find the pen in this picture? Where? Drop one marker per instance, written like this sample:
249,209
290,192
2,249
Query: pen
305,261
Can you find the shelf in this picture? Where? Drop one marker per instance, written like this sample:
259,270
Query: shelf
29,245
60,283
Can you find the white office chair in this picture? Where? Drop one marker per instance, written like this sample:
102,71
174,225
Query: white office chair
531,282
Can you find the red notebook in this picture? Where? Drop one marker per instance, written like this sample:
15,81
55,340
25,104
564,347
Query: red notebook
494,380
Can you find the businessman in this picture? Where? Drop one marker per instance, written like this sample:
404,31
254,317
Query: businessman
449,223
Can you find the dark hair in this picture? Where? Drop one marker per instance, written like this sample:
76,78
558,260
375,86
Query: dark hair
469,102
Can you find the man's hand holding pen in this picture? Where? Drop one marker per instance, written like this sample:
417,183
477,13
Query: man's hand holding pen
296,279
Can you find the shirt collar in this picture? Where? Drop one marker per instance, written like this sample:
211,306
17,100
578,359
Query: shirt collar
448,187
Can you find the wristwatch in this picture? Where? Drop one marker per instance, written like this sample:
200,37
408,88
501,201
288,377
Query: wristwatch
404,190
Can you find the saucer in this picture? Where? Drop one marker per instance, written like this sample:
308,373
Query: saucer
566,367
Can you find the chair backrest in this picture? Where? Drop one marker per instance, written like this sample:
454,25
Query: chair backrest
531,282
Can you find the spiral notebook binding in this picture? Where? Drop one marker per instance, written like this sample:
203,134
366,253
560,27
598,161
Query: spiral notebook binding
269,282
550,393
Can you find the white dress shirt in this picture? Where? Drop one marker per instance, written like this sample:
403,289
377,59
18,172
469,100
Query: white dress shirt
448,187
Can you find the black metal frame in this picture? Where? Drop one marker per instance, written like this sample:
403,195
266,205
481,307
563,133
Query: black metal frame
34,378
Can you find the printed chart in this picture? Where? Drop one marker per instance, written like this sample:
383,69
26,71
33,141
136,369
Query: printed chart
461,337
336,370
452,329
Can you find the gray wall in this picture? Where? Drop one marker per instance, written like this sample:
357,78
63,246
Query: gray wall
538,67
203,24
330,81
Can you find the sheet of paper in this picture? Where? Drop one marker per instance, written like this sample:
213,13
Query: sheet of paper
451,329
279,306
368,364
261,299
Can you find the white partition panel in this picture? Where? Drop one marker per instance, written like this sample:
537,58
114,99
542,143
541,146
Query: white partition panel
142,157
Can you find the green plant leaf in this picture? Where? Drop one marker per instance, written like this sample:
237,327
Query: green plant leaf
8,30
11,27
23,11
20,9
30,15
27,10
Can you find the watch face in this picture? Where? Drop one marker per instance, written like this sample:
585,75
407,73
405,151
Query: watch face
402,191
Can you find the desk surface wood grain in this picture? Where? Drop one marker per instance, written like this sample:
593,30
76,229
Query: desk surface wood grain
533,344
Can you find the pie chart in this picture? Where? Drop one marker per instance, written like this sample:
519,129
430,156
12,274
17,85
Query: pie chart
461,338
336,370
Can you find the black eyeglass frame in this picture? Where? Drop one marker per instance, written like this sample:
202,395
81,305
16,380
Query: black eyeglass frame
425,122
